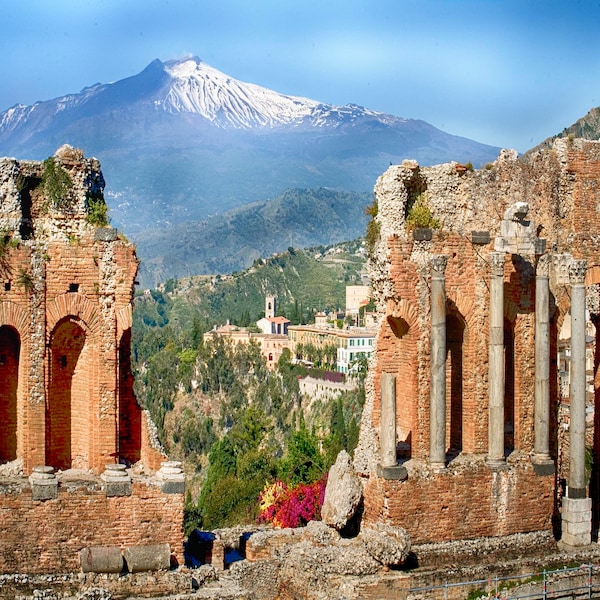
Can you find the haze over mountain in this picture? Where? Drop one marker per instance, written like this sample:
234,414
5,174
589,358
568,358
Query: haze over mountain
182,141
588,128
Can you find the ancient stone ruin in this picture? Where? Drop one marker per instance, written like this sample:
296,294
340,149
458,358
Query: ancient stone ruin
80,468
466,431
477,428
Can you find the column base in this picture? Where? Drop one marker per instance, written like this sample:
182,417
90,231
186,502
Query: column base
543,465
576,522
496,464
393,472
438,467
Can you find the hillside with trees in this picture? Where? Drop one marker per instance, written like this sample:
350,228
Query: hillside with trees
237,425
232,241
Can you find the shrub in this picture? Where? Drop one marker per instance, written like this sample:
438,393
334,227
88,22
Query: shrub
373,232
97,210
291,507
420,215
57,184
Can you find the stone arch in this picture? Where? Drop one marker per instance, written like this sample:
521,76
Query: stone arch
592,275
10,348
399,343
71,304
464,304
124,319
14,386
69,395
13,315
456,332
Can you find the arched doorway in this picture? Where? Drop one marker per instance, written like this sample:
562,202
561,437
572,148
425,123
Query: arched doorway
10,347
455,331
67,409
403,367
509,386
130,413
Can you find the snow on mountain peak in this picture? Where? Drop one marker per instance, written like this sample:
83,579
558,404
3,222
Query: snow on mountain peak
197,87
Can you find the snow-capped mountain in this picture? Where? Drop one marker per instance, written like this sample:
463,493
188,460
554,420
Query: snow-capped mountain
193,87
198,88
181,141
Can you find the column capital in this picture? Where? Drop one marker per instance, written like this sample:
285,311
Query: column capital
438,265
543,266
577,271
497,260
560,267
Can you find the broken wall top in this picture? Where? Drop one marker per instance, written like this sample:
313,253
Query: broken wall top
561,186
59,198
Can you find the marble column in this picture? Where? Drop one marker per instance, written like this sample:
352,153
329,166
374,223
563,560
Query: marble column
577,487
389,467
437,409
387,427
541,452
576,512
495,456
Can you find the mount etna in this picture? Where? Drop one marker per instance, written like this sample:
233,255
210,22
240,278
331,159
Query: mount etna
182,143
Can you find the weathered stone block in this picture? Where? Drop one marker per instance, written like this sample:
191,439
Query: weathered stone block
481,238
101,559
387,544
117,481
343,493
155,557
44,485
105,234
395,472
44,490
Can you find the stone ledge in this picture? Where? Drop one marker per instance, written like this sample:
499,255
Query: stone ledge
394,472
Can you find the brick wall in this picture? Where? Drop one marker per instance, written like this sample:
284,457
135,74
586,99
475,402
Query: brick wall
468,499
66,385
65,327
46,536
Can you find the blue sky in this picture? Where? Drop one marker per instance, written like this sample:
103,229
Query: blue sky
507,73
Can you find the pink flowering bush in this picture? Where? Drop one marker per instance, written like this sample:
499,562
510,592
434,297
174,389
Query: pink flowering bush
285,506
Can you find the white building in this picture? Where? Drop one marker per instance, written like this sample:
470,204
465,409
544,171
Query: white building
353,343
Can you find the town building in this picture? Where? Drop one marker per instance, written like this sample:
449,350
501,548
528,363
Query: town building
347,344
272,338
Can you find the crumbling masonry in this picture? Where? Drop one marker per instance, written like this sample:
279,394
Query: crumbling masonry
77,460
461,436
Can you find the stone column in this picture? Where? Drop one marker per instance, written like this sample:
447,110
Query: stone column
387,427
541,453
495,456
437,409
389,467
577,488
577,508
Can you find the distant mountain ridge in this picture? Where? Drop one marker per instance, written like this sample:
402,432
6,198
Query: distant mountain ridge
232,241
588,128
181,142
194,87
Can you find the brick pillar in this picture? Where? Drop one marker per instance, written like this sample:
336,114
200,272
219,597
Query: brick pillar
541,456
437,410
577,508
495,456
